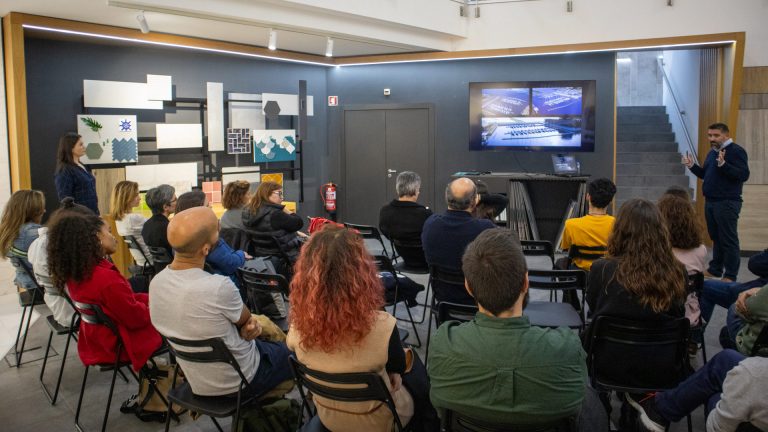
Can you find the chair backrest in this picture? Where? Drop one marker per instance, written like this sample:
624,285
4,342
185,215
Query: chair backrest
133,244
660,346
538,248
353,387
20,262
694,282
453,421
455,311
160,257
446,276
212,350
94,314
589,253
760,347
557,280
368,232
271,283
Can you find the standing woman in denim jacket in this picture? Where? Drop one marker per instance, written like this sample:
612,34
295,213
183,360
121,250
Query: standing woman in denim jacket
72,178
19,228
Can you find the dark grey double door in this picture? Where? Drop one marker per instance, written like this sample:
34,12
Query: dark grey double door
379,143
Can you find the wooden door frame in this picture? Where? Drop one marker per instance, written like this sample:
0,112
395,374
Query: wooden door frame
430,175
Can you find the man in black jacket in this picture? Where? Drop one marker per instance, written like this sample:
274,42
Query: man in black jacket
724,172
403,218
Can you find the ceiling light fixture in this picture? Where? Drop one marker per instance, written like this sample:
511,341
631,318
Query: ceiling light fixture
142,22
329,47
623,60
272,39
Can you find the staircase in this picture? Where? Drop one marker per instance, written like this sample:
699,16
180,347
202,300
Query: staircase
647,158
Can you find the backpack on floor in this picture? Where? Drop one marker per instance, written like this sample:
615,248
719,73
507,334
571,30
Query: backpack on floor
281,415
148,405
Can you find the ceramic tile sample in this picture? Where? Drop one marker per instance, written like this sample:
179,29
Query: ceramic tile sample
273,177
182,176
108,139
159,88
289,103
215,113
274,145
244,114
118,94
183,135
238,141
212,191
250,174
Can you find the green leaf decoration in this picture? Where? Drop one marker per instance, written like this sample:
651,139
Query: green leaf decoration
92,124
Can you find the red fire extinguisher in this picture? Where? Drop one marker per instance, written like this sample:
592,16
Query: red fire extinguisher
328,195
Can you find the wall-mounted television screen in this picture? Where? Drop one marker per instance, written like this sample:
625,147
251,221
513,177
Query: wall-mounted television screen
557,116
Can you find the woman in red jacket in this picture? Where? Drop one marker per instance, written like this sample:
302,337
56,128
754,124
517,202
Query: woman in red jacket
77,247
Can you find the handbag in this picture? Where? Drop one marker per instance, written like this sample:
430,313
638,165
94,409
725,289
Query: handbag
148,405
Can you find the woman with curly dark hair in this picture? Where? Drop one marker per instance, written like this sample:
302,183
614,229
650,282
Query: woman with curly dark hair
338,325
685,232
639,279
77,246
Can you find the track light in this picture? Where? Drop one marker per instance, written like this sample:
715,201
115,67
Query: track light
569,6
142,22
329,47
272,40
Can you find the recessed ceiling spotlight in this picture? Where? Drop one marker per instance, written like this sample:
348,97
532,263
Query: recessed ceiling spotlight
142,22
272,39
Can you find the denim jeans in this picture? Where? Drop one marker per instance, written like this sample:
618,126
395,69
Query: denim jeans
734,322
703,387
274,366
721,293
722,219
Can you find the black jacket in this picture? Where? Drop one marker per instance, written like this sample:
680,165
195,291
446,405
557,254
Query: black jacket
270,221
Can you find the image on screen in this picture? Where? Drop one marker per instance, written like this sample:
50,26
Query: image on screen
557,101
531,132
505,102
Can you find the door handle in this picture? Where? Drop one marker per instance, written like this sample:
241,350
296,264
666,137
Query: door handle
391,171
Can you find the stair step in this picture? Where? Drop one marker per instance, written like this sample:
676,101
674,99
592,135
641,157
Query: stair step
652,169
644,128
651,180
652,193
645,136
647,146
632,118
648,157
641,110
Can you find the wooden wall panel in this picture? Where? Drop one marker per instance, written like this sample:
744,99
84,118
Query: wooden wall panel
753,222
106,179
16,102
753,136
755,80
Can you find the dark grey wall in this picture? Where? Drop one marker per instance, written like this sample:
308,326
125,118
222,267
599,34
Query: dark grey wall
445,84
56,70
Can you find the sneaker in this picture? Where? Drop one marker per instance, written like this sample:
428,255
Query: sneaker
646,408
709,275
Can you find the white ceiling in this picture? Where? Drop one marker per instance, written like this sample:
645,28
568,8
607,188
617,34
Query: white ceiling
246,22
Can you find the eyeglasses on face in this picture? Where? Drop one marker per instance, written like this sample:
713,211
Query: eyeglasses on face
279,193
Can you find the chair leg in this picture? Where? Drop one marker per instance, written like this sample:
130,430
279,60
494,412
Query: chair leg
61,369
429,333
168,416
111,391
80,401
413,324
425,305
18,353
703,348
122,375
42,370
218,426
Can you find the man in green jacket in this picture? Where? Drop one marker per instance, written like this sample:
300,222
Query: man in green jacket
497,367
746,319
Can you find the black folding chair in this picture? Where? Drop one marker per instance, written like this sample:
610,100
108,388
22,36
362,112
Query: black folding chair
454,311
58,329
589,253
447,279
209,351
385,265
453,421
538,248
147,269
352,387
411,254
554,314
160,258
694,284
259,289
27,300
94,315
644,346
372,233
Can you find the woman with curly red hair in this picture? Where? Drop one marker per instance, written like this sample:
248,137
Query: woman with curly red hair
338,325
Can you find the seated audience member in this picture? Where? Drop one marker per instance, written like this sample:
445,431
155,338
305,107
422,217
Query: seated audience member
678,191
125,197
18,229
639,279
267,220
594,228
403,218
223,259
747,318
724,294
685,232
445,236
162,201
38,257
77,245
498,367
490,205
236,197
189,303
730,386
338,325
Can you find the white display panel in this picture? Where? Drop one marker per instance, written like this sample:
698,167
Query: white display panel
108,139
289,103
245,115
182,135
159,87
250,174
215,112
117,94
182,176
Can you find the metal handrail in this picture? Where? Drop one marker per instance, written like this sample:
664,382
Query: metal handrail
680,113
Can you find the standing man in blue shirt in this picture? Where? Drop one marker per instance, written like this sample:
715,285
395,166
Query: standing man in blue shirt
724,172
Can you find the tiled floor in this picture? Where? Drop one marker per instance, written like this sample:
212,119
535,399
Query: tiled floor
23,406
